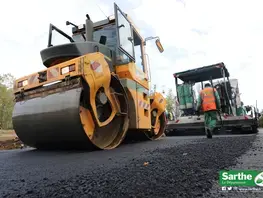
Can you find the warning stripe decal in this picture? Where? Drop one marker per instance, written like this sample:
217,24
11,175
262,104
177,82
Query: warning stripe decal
140,103
32,79
143,104
53,73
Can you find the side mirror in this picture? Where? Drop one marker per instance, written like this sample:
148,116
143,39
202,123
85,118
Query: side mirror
159,45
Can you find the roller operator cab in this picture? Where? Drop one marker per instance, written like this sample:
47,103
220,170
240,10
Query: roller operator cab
234,117
94,92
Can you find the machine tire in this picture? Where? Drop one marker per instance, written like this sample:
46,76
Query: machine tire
152,135
254,129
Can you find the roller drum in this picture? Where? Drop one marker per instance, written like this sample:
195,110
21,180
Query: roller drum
51,122
54,122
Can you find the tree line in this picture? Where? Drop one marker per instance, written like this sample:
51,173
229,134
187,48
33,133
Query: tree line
6,100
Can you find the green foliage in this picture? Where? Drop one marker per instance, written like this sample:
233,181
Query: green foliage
7,80
170,99
260,121
6,100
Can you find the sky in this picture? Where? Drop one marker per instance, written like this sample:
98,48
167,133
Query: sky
193,34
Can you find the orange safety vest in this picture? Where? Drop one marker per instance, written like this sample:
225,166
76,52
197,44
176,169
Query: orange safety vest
208,99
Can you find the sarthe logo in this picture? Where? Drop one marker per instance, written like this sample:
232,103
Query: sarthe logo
259,179
245,178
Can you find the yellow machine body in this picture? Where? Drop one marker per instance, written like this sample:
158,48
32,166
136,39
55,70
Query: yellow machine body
89,100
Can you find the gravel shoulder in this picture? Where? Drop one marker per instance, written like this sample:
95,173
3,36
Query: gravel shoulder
170,167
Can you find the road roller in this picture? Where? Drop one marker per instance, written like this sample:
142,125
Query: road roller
94,91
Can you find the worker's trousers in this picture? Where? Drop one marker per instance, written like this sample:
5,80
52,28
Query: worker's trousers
210,119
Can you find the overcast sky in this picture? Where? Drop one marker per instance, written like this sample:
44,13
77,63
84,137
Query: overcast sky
194,33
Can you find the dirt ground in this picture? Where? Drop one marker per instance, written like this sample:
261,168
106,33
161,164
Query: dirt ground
9,140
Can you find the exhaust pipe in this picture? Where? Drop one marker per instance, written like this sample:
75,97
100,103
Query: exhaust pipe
89,29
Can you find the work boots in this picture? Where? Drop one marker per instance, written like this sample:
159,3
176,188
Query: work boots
209,133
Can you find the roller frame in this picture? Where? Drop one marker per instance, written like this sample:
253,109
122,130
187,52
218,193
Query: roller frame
88,80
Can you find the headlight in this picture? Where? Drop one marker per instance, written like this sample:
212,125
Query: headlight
22,83
81,26
111,17
67,69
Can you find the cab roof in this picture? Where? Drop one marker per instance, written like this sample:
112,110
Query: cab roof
204,73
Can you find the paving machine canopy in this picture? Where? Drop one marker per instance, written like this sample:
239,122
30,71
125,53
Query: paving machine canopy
202,74
187,96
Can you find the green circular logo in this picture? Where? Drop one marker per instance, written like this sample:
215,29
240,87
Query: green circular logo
259,179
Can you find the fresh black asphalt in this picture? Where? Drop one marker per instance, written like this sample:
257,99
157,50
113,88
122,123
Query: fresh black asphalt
169,167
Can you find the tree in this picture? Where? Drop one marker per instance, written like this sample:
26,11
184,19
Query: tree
260,121
7,80
170,99
6,100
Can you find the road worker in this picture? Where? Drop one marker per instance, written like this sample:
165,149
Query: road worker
210,106
241,110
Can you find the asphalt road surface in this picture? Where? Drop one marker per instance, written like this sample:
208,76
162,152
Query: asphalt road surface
169,167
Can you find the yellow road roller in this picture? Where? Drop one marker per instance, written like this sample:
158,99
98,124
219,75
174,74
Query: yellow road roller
94,92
